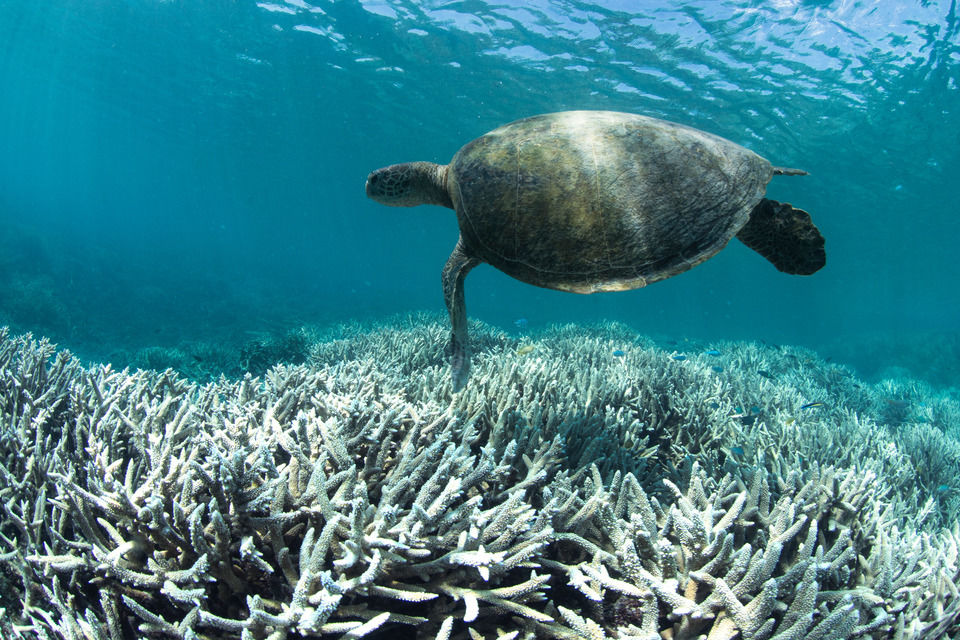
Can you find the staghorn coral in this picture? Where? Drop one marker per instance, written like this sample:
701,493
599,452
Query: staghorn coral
568,493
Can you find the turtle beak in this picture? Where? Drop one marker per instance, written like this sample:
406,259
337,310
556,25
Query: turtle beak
367,186
372,187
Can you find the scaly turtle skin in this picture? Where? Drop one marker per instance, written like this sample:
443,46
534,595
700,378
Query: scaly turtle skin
589,201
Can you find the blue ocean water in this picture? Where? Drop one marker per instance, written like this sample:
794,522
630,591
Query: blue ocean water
193,171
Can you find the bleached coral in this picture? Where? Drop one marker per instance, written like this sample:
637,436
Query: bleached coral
568,493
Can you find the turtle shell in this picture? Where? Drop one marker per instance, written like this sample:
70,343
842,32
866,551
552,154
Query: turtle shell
591,201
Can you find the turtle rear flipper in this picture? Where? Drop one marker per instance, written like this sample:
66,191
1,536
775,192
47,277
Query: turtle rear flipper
785,236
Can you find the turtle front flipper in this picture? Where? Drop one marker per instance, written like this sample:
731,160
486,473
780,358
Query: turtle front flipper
785,236
456,269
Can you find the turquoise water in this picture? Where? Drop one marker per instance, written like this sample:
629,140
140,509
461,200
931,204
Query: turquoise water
182,185
175,172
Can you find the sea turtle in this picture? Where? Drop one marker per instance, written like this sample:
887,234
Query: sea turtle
589,201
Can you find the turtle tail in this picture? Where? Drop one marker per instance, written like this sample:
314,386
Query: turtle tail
785,236
786,171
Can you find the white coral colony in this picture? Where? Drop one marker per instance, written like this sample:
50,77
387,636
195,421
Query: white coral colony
348,498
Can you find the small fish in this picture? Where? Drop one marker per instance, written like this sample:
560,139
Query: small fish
764,374
745,417
717,368
521,323
525,349
619,353
943,488
789,421
737,451
712,352
679,357
812,405
714,405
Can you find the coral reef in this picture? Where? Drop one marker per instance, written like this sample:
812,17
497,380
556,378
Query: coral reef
203,361
265,350
596,486
73,292
932,355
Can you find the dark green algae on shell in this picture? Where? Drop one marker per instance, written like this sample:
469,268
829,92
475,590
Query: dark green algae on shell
589,201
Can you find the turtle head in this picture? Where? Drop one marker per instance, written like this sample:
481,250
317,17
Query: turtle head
409,184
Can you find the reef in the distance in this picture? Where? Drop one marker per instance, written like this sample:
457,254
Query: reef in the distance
586,484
